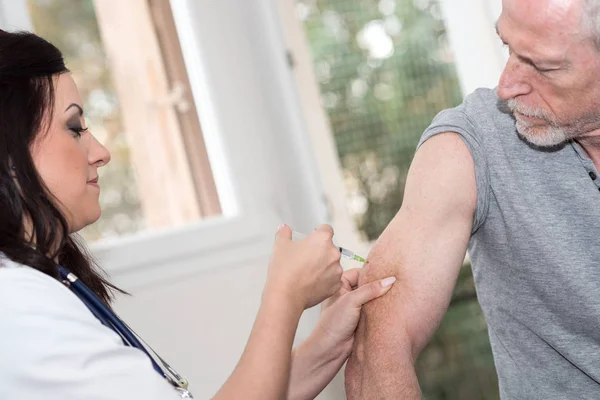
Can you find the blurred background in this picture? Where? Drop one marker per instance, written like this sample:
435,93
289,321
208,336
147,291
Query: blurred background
225,118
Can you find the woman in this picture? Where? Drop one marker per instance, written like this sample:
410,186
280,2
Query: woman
51,345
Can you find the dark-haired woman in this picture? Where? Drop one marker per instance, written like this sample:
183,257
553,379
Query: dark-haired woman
53,345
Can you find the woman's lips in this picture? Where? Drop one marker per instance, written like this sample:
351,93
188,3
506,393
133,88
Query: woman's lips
94,182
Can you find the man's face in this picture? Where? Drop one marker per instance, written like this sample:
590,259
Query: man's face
551,80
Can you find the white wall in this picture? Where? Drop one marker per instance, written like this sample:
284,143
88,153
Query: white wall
199,324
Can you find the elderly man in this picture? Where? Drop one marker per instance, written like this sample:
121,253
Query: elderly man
512,175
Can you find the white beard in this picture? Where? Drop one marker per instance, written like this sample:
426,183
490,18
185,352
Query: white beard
542,136
549,135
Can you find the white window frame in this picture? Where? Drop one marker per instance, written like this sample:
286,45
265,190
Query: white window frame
318,127
479,55
14,16
253,127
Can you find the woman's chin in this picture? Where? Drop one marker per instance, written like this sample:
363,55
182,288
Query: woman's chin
89,219
95,217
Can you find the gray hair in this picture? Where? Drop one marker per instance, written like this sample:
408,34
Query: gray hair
591,20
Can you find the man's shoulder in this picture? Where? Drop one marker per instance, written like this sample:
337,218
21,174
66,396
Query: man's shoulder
482,96
482,113
484,105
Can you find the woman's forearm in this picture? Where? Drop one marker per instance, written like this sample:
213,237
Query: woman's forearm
263,370
314,364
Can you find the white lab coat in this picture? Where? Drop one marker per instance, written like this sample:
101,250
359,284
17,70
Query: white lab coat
53,348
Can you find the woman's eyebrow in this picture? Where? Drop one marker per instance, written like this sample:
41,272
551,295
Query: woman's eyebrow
78,107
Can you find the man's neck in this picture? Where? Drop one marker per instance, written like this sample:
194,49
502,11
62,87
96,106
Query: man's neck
591,145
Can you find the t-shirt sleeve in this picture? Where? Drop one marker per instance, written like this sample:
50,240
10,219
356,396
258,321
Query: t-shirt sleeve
456,120
53,348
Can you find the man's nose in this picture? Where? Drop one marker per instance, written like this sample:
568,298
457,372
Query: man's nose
513,80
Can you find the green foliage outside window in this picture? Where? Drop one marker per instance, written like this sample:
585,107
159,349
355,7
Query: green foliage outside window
385,69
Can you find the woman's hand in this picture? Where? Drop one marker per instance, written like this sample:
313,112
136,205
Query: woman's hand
340,313
306,272
300,275
316,361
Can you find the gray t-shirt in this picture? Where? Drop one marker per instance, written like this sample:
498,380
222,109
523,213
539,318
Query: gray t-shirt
535,251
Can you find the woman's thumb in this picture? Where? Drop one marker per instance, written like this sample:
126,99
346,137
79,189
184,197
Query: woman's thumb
371,290
284,232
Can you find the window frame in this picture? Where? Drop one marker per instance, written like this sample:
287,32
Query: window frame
474,42
262,161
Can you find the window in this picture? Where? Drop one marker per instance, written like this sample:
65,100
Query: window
129,66
385,68
251,123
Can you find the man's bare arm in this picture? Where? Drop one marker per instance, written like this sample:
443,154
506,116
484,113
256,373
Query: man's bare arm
424,247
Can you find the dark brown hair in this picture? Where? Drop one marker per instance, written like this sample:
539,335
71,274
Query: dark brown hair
28,65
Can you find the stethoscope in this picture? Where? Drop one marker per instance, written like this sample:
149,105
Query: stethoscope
112,321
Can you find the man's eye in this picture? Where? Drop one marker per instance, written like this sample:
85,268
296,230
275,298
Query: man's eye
543,70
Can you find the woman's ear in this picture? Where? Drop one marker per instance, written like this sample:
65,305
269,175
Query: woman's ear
13,169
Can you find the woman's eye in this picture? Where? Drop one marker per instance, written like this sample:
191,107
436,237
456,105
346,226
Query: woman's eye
77,131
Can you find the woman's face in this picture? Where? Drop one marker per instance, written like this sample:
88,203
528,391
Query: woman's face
67,157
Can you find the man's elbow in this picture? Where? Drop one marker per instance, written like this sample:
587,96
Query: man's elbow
382,353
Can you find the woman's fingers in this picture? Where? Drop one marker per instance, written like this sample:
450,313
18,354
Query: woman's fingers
325,228
350,277
284,233
370,291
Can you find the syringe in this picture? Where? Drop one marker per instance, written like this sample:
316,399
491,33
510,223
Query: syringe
345,252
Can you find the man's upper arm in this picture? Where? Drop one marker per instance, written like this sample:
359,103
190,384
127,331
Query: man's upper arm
425,244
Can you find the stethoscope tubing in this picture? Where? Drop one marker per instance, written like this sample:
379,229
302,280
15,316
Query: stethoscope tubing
104,313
